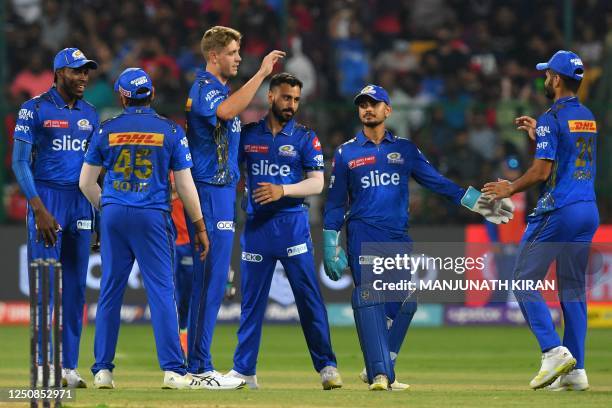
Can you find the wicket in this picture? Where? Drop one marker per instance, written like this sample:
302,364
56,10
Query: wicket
40,322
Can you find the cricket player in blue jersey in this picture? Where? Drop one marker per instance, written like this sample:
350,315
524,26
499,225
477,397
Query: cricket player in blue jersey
138,149
284,164
51,136
370,176
563,223
213,131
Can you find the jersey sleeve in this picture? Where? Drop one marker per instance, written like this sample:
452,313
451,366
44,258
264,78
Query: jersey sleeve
337,196
25,124
312,155
547,137
93,155
206,102
426,175
181,156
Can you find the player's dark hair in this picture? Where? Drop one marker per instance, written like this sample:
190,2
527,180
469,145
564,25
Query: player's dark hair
285,78
140,102
570,84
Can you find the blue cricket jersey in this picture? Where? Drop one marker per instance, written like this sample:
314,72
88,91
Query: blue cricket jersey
138,149
213,142
373,180
567,135
280,159
59,136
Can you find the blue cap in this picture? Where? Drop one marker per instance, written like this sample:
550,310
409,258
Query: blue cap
565,63
131,80
375,92
72,58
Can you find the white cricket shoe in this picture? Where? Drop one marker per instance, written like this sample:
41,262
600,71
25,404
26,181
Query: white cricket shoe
575,380
380,383
40,376
250,380
395,385
555,362
176,381
330,378
72,379
214,380
399,386
103,380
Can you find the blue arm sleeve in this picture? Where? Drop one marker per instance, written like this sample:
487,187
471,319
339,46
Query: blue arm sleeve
426,175
21,167
335,206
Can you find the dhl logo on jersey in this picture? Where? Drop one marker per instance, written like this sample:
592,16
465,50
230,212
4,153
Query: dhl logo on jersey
588,126
136,138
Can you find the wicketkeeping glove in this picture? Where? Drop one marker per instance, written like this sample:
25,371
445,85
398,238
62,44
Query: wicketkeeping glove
334,257
495,211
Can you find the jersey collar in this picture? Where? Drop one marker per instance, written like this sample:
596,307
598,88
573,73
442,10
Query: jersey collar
59,101
138,109
210,78
362,139
566,99
287,130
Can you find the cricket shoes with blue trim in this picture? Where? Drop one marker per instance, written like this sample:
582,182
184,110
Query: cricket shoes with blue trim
575,380
555,362
250,380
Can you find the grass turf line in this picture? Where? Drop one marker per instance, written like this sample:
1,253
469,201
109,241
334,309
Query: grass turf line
456,367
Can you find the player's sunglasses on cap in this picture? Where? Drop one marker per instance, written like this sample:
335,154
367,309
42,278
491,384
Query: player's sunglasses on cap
72,58
375,92
565,63
131,81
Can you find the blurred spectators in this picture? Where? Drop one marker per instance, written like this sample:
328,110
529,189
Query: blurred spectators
458,71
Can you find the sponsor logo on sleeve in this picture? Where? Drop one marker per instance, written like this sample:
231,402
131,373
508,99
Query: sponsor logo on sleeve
225,225
316,144
297,250
22,128
542,130
319,160
585,126
84,124
287,151
136,138
184,141
256,149
56,123
362,161
250,257
395,158
25,114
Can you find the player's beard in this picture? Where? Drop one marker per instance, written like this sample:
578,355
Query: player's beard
549,92
282,115
371,122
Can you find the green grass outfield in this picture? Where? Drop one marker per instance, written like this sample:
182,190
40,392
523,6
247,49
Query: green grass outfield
447,367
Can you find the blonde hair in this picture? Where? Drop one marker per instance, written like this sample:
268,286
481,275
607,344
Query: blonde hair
218,37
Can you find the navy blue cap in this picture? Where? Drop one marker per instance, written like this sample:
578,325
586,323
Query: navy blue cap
131,80
565,63
72,58
375,92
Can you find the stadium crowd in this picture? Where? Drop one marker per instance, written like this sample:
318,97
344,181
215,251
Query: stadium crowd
458,71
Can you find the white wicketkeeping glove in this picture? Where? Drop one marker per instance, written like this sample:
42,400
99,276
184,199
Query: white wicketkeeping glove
495,211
